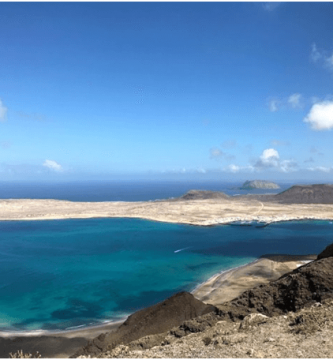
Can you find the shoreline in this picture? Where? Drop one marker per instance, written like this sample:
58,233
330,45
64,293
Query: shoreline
206,212
110,324
64,343
229,284
222,221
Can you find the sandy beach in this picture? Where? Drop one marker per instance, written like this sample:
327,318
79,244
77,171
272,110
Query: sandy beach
193,212
216,290
230,284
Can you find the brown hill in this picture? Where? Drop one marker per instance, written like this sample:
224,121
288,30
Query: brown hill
155,319
203,195
306,194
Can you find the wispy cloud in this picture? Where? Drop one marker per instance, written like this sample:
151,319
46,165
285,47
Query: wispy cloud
31,116
3,111
218,154
270,6
295,100
276,142
229,144
320,168
53,165
320,116
273,105
235,168
323,57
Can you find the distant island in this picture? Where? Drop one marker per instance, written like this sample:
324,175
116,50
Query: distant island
259,184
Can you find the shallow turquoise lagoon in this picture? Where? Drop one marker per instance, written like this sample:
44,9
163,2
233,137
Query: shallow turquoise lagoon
60,274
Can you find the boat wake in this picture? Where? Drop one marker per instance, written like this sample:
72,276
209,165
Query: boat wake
179,250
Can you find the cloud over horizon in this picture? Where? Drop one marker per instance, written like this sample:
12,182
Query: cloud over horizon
53,165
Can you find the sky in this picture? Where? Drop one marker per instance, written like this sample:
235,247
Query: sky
225,91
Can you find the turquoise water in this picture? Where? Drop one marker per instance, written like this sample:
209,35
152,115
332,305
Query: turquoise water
64,273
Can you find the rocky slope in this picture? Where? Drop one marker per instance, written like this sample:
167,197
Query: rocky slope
306,194
203,195
289,317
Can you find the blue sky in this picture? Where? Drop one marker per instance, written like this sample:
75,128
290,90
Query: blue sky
226,91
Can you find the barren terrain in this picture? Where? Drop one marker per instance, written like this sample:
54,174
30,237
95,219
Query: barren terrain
202,212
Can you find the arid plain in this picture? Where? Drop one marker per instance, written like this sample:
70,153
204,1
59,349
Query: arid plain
203,212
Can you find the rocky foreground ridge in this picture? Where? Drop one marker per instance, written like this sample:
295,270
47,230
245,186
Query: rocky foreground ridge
289,317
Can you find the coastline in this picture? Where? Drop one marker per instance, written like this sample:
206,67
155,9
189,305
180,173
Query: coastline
63,343
220,287
229,284
207,212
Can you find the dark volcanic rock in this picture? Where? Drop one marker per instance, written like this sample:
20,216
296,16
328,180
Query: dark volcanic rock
153,320
306,194
203,195
326,253
305,285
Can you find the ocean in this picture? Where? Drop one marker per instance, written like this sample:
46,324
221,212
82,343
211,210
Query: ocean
118,190
65,274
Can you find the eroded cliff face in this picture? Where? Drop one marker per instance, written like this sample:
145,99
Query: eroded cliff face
259,323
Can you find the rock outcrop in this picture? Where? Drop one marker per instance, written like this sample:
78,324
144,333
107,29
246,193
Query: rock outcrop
203,195
259,184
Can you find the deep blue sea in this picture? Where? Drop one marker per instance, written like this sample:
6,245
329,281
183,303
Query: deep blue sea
118,190
61,274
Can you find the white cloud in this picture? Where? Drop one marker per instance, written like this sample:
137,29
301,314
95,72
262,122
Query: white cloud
295,100
3,111
273,105
320,168
233,168
315,54
320,116
53,165
269,158
322,56
329,62
270,6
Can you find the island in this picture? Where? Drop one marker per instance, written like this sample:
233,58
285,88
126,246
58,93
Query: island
204,208
259,184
